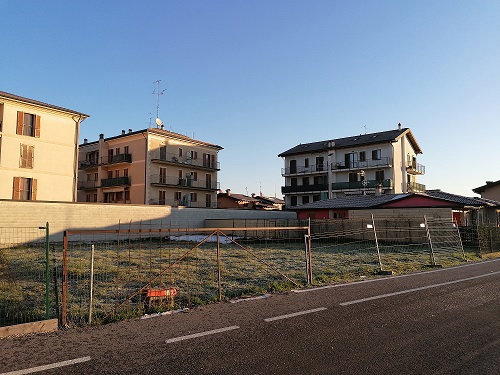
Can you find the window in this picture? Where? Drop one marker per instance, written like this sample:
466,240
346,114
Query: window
180,152
110,174
161,197
353,177
24,189
27,155
89,178
319,180
316,197
208,200
125,172
163,176
293,166
194,197
95,197
194,176
305,199
96,176
293,181
117,173
208,161
379,175
127,195
163,153
306,163
181,178
28,124
88,198
125,150
351,160
208,181
377,154
293,200
117,151
362,156
177,195
319,163
193,155
305,181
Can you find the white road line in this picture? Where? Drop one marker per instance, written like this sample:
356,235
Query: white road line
415,289
250,298
294,314
200,334
390,277
47,367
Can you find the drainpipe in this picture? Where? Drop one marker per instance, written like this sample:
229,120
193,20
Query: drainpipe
78,119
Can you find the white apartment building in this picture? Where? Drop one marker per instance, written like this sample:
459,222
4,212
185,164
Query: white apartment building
376,163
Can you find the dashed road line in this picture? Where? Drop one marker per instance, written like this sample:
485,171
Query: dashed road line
294,314
415,289
47,367
200,334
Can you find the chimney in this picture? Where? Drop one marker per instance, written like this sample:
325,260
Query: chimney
130,130
228,192
123,132
253,195
399,126
101,136
85,140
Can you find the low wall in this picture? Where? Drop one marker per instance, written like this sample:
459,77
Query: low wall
64,216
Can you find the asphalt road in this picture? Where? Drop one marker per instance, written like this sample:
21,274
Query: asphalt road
438,322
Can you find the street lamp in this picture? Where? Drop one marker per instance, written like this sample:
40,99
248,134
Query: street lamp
363,181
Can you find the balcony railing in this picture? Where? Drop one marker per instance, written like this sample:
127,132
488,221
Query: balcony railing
186,182
358,185
171,158
415,187
117,181
84,164
316,168
369,163
414,168
182,203
88,185
304,188
119,158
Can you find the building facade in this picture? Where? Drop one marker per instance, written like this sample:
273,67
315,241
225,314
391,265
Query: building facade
489,191
38,150
376,163
151,166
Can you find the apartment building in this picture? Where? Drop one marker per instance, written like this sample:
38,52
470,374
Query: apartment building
376,163
38,150
151,166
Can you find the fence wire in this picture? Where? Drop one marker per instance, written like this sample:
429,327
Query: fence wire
24,281
135,271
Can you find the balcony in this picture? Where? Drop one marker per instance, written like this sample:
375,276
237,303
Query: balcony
304,188
414,187
161,157
365,164
311,169
358,185
86,164
85,185
117,181
115,159
159,180
413,167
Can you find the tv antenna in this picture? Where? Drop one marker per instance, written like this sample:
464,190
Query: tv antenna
158,92
364,126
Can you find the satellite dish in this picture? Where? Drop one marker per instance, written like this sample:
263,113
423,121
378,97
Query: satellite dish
158,122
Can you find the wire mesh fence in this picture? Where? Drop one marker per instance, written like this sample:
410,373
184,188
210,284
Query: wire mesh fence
26,281
349,249
110,275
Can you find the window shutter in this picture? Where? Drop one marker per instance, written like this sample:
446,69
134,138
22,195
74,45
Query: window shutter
37,126
34,186
20,122
22,162
16,191
31,156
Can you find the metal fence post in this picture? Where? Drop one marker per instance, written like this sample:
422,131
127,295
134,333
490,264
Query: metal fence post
376,244
47,274
433,260
219,267
64,297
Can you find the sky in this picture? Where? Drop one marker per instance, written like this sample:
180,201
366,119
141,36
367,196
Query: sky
259,77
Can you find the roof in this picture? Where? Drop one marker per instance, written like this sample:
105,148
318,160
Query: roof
272,200
373,201
358,140
162,132
6,95
488,185
239,197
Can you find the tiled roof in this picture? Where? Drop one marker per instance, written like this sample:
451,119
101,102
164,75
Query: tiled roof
371,201
358,140
36,102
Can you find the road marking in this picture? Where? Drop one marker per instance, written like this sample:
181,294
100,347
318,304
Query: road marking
250,298
200,334
415,289
294,314
47,367
389,278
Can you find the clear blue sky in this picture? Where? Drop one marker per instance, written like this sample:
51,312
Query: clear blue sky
259,77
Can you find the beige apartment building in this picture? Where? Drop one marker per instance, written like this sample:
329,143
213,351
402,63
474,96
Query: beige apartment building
151,166
38,150
375,163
